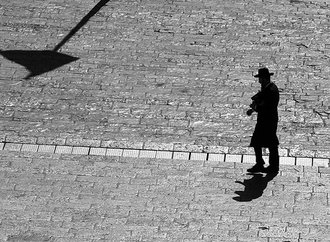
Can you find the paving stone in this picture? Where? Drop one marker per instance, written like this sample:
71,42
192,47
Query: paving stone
158,146
249,159
287,160
216,157
321,162
325,170
80,150
283,152
98,151
216,149
21,139
114,152
304,161
63,149
1,146
29,148
188,148
130,153
12,147
180,155
122,144
83,142
198,156
50,141
46,148
233,158
164,155
147,154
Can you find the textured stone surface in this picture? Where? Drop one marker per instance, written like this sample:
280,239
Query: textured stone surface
63,197
166,73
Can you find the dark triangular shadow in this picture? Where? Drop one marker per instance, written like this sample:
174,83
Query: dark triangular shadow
38,62
254,187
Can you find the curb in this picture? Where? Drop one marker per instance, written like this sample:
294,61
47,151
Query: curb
159,154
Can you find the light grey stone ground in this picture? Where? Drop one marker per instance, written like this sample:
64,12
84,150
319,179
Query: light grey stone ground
58,197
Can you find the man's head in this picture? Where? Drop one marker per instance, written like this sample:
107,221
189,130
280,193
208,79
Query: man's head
264,76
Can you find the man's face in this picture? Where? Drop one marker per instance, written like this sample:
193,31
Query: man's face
263,80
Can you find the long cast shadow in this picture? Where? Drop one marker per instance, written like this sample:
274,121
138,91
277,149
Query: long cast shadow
81,23
254,187
38,62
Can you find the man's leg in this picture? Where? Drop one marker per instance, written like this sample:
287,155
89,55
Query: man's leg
259,166
274,159
258,154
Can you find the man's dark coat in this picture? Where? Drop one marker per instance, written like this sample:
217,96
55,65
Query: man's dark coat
266,105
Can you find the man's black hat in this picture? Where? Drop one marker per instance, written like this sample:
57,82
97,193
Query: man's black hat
264,72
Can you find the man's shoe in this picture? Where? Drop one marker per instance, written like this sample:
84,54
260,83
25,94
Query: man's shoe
272,170
256,168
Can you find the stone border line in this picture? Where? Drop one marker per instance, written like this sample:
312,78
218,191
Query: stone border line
158,154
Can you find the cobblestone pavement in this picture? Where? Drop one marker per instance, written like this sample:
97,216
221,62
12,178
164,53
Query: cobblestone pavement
60,197
166,75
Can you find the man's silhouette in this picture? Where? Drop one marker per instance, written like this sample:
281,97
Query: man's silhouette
265,103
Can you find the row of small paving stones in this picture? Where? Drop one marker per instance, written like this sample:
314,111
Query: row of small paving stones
174,73
66,197
159,154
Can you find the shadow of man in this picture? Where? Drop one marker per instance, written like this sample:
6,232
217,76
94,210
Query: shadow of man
254,187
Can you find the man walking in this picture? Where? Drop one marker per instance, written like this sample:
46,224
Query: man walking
265,103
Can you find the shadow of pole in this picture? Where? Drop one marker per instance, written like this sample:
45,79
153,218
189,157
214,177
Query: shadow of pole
38,62
81,23
254,187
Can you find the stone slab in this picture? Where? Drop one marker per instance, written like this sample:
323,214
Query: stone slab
114,152
198,156
164,155
304,161
46,148
130,153
287,160
80,150
216,157
233,158
321,162
147,154
98,151
181,155
60,149
12,147
29,148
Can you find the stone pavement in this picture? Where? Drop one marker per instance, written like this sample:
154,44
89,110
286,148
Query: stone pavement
67,197
134,128
169,75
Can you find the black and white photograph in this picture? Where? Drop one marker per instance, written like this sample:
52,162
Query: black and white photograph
165,120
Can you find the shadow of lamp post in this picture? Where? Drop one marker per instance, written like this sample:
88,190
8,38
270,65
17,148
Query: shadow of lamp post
38,62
